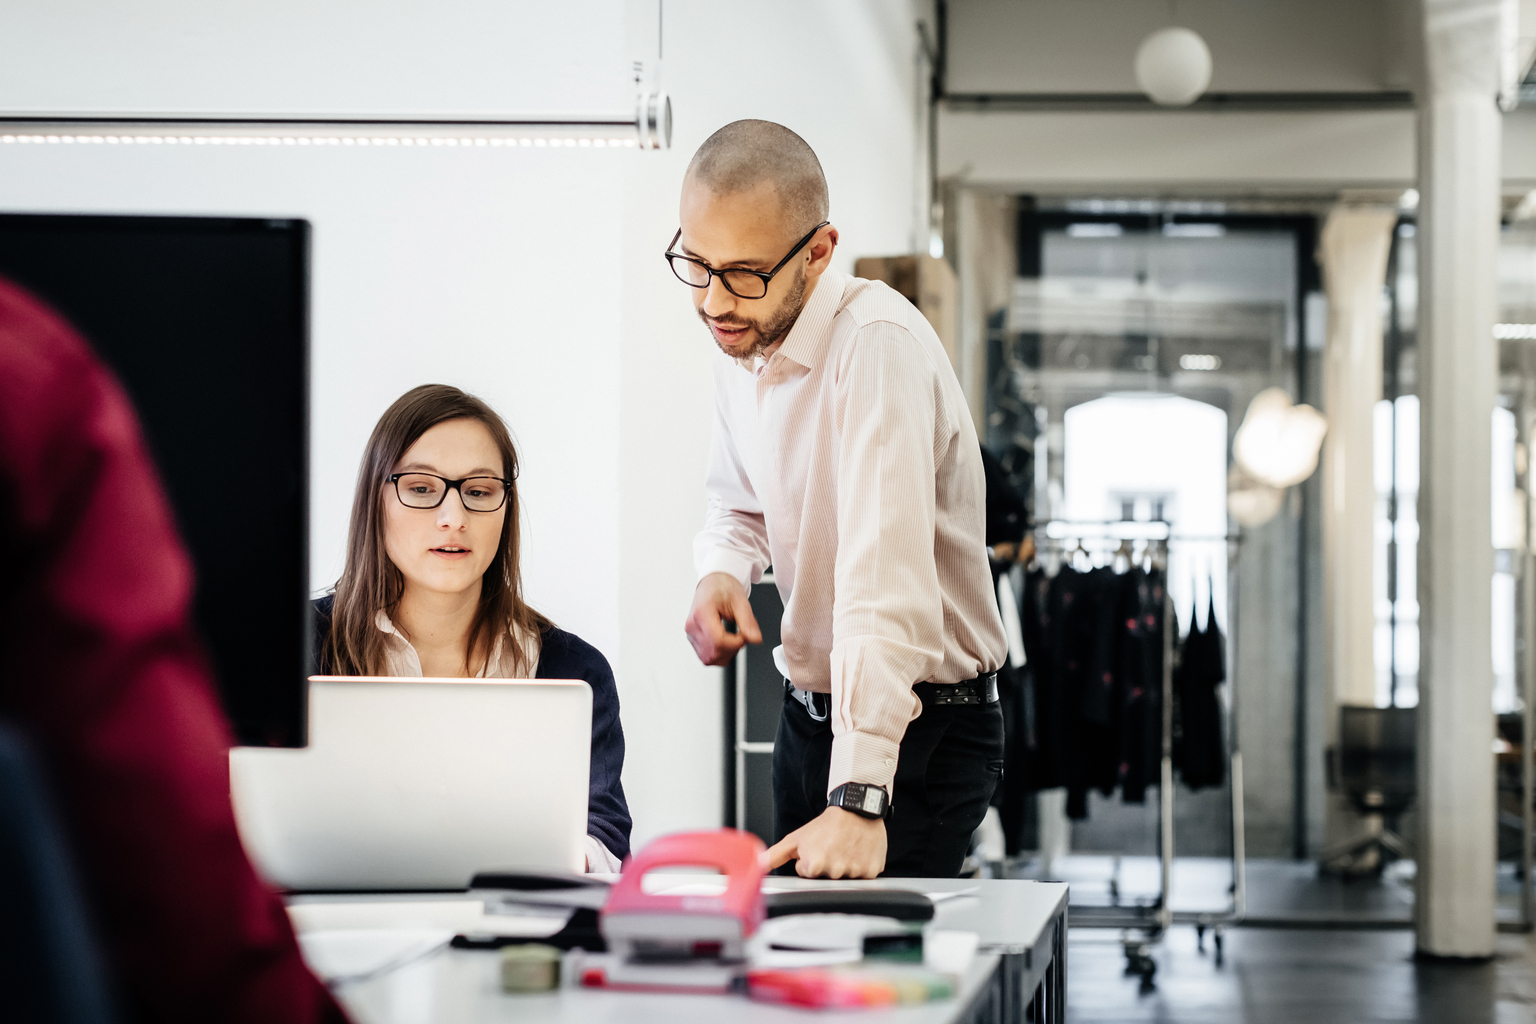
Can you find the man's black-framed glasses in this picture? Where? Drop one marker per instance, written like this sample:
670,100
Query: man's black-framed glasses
427,490
744,284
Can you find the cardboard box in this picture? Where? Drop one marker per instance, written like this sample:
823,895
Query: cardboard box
927,282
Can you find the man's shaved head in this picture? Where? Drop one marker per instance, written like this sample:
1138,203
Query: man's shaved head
745,154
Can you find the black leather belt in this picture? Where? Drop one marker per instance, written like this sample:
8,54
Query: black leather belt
981,690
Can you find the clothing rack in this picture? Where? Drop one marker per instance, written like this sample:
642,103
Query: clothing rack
1154,920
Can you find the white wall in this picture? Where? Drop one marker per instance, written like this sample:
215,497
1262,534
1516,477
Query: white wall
449,265
357,57
440,265
532,277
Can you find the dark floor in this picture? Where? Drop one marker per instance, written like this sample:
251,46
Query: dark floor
1278,890
1271,976
1303,972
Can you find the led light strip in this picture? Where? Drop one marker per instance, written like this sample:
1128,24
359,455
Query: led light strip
649,127
1515,332
477,141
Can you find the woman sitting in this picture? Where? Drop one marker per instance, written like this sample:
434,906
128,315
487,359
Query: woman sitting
432,585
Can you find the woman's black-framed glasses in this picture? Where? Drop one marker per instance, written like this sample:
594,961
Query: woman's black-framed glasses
427,490
744,284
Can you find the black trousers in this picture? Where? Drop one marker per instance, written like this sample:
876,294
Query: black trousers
950,762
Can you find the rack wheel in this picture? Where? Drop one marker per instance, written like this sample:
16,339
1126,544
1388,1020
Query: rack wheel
1138,961
1145,967
1220,957
1200,938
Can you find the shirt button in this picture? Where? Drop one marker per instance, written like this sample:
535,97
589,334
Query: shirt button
890,762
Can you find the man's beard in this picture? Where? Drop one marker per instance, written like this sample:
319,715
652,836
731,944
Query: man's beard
768,330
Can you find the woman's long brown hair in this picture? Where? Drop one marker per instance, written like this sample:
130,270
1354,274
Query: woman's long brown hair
370,583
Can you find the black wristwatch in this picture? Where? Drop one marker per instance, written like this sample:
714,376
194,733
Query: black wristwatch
865,801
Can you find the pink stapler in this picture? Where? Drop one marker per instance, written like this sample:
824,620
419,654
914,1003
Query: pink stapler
689,941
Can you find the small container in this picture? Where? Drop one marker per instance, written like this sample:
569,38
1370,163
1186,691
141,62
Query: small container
531,967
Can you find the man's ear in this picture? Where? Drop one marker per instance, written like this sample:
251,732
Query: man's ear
821,252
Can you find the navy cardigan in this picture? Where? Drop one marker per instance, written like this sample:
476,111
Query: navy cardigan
566,656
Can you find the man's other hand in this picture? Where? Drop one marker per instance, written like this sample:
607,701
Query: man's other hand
837,844
719,598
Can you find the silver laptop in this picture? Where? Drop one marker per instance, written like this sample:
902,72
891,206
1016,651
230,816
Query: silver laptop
417,784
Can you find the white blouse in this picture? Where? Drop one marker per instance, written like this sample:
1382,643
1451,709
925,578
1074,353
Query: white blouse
401,659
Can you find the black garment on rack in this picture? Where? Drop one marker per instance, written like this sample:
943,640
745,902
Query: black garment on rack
1092,688
1067,629
1198,752
1013,796
1007,516
1099,691
1141,674
1007,521
1094,644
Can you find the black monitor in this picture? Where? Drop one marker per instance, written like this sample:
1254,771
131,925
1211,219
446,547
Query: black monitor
205,320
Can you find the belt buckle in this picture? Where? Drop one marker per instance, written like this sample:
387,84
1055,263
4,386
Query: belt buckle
807,700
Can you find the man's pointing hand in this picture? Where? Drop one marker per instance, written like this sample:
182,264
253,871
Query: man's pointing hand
719,599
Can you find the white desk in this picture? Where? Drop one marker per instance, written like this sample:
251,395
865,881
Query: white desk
1021,924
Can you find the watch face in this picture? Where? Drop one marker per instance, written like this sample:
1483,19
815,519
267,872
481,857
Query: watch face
870,801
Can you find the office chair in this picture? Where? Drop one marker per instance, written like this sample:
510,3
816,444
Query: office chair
1375,765
50,969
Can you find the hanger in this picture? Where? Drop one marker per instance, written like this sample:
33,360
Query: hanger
1122,560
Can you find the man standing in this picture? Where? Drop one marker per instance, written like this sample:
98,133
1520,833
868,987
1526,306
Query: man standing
844,456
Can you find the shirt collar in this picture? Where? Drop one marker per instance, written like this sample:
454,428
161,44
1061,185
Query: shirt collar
808,337
530,650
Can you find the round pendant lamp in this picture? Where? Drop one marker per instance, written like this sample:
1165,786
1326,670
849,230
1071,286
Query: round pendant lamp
1173,66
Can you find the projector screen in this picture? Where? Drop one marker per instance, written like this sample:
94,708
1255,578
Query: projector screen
205,322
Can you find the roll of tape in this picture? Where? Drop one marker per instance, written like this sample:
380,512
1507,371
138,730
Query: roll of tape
530,968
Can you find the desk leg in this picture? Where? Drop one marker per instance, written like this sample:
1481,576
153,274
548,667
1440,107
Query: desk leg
1049,1005
1059,971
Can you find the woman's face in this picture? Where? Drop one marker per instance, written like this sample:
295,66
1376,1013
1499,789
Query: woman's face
445,549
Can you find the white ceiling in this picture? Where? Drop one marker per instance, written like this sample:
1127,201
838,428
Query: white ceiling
1087,46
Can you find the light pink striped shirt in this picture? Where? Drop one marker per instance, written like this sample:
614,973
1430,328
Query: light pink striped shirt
848,461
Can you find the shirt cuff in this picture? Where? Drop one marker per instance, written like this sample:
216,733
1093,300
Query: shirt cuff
730,562
863,757
599,859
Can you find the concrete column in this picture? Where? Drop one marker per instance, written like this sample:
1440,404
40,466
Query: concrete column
1353,249
1459,137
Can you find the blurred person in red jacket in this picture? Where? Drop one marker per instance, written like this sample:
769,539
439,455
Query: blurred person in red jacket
100,668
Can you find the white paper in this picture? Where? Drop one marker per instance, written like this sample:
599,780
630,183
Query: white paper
350,954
